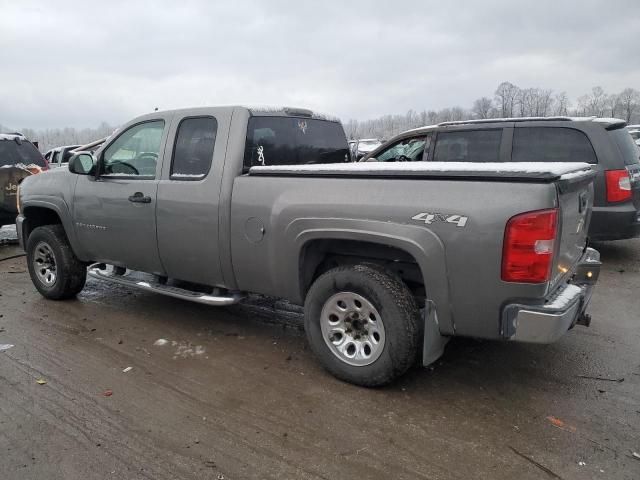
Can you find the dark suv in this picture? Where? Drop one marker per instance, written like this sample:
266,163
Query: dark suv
19,158
601,142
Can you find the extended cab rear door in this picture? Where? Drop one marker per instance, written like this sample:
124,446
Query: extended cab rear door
189,203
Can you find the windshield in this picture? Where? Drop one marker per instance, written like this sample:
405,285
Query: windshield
12,153
625,144
294,141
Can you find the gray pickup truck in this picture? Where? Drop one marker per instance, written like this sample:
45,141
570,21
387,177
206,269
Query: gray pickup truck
389,260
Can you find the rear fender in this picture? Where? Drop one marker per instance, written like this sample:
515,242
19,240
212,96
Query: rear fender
419,242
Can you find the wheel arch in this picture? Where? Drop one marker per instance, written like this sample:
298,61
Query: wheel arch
379,242
39,212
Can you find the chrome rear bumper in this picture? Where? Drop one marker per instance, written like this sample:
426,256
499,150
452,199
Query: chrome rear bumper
547,322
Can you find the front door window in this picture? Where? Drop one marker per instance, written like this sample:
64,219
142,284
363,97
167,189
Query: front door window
135,152
413,149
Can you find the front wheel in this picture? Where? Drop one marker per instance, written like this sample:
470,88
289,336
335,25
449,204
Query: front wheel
363,324
54,269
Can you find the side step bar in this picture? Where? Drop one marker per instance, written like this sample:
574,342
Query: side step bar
190,295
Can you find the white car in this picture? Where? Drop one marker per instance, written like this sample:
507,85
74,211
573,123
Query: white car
359,148
59,156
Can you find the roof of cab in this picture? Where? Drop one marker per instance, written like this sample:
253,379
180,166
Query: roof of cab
255,111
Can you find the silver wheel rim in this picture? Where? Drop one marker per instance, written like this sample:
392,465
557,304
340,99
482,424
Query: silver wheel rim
352,329
44,264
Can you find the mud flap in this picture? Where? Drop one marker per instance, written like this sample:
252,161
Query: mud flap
433,342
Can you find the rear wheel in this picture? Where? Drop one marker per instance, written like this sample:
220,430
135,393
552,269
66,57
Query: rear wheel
54,269
363,324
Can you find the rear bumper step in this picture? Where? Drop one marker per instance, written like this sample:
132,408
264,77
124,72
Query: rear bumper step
547,322
156,287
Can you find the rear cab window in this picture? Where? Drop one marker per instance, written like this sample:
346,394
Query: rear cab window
275,140
551,144
480,146
19,151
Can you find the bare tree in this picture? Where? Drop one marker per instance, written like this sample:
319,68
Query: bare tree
544,102
505,98
613,105
593,104
629,100
482,107
562,104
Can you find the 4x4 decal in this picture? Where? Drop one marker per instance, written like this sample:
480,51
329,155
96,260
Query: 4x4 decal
429,218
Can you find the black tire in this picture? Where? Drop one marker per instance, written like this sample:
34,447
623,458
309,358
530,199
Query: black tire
70,273
397,309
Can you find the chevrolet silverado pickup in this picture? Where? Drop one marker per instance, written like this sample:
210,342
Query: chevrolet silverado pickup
390,260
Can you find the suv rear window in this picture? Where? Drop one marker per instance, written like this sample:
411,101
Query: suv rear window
468,146
551,144
628,149
294,141
20,151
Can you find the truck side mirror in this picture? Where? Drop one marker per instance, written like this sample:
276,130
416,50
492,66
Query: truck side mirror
82,164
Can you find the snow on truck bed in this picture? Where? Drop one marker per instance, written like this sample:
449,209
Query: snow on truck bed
507,170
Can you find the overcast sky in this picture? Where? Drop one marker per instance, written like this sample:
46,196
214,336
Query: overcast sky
82,62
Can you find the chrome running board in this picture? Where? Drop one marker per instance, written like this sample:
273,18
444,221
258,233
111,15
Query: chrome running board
152,286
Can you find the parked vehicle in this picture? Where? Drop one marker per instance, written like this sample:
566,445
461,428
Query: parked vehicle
634,131
59,156
90,147
389,260
603,143
359,148
19,158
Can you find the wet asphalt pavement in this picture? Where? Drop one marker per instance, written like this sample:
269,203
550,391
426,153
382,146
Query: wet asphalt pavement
235,394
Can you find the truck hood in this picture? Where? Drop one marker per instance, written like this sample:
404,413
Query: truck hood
51,182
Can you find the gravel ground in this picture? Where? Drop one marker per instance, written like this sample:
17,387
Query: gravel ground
235,393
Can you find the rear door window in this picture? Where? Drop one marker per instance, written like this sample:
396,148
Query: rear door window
479,146
193,150
551,144
19,151
624,141
294,141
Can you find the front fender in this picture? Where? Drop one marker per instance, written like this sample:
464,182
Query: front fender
419,242
60,207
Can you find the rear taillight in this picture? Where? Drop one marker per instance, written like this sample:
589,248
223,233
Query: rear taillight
618,185
528,248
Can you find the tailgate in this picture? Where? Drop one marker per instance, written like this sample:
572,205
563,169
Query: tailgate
10,178
575,202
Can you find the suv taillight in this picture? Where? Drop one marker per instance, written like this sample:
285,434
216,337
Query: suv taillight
528,248
618,185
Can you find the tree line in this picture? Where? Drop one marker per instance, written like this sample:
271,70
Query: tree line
56,137
508,100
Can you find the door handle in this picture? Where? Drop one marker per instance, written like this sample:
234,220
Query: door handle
138,197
